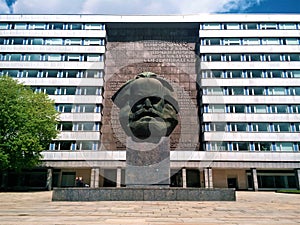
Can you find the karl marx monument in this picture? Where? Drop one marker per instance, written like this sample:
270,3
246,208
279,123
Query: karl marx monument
148,115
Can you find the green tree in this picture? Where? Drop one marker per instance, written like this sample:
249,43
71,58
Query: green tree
27,125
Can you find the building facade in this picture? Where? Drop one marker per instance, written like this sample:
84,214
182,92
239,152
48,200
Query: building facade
237,77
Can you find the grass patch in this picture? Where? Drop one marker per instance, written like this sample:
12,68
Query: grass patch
289,191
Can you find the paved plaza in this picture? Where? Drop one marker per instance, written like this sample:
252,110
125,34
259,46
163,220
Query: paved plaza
250,208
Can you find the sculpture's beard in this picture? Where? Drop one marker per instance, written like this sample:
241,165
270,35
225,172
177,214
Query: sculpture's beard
151,125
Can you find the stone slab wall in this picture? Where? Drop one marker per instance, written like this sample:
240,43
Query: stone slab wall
171,53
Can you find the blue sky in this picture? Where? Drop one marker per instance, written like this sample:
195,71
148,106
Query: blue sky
151,7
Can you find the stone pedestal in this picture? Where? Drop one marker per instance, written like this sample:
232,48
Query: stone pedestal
147,164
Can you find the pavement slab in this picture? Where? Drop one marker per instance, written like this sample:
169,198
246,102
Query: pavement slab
32,208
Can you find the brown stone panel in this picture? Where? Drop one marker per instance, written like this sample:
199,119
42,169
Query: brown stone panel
173,60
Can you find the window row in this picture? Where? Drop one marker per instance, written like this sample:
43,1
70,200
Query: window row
252,109
78,108
250,41
69,90
250,57
252,127
295,91
52,41
53,57
74,146
250,74
86,126
250,26
252,146
51,26
53,73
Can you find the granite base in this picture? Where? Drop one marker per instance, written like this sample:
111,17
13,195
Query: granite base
143,194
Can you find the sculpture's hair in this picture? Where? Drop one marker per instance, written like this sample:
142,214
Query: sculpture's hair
145,75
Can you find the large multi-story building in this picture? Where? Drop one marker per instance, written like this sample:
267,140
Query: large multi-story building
238,77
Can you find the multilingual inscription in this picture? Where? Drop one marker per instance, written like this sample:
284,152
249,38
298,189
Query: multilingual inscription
169,52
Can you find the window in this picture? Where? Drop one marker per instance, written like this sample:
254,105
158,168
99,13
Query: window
236,91
294,74
282,127
294,57
295,109
93,41
94,58
215,91
231,26
276,91
94,26
64,108
260,127
273,57
271,41
20,26
35,41
278,109
37,26
284,146
255,73
4,26
297,127
216,108
211,26
73,57
93,74
213,41
235,74
74,26
291,41
251,41
15,41
219,146
249,26
287,26
238,127
240,146
67,145
73,41
54,41
32,57
14,57
257,91
232,41
31,73
268,26
56,26
53,57
263,146
274,74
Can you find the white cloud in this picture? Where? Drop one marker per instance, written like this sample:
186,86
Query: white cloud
4,9
48,6
130,6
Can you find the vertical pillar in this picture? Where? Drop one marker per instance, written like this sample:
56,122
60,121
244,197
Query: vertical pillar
184,183
119,177
254,179
96,180
49,179
208,178
92,184
101,178
205,178
297,174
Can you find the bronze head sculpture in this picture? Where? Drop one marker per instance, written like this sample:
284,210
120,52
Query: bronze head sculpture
148,107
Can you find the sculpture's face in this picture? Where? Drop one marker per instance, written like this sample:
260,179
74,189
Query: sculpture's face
149,111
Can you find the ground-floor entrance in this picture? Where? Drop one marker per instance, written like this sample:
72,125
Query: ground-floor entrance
240,179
